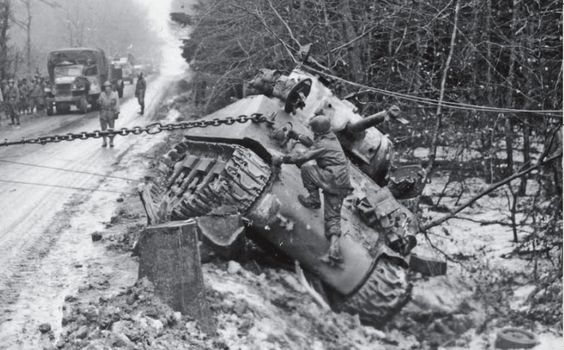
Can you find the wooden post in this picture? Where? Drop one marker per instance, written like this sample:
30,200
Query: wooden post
170,258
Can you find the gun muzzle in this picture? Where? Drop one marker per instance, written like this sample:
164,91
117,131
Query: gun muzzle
367,122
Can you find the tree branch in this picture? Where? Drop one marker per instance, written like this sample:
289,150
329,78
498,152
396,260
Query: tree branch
357,38
490,189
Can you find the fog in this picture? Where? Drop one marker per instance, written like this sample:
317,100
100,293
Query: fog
118,27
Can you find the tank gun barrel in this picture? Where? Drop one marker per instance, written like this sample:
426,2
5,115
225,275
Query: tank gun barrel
372,120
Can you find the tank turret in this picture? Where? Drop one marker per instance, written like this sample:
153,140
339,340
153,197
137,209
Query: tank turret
368,148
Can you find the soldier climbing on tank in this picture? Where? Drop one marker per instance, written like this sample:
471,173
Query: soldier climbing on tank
329,173
109,110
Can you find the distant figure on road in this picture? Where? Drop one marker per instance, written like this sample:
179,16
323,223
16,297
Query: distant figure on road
12,97
140,88
109,110
36,97
24,96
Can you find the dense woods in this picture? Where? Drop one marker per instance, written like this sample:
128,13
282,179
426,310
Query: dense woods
464,67
486,74
480,81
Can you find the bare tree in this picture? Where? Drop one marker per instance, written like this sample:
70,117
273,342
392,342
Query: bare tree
5,15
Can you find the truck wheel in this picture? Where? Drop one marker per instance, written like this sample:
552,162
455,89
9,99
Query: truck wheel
382,296
83,105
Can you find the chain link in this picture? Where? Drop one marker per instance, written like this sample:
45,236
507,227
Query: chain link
151,129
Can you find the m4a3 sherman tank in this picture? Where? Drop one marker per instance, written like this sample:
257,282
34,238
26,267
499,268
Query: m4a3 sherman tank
224,177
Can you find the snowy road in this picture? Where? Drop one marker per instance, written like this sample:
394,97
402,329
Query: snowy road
47,214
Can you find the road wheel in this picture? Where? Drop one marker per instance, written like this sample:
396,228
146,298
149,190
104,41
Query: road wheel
120,92
515,338
382,296
49,110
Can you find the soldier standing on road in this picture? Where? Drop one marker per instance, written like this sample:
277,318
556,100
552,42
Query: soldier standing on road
36,96
329,173
140,88
12,97
109,110
24,96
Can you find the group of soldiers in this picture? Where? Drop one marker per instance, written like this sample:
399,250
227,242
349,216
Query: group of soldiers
24,97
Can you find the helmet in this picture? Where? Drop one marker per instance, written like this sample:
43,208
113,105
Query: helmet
320,124
106,83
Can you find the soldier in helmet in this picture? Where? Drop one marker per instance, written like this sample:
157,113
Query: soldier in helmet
12,97
140,89
329,173
109,110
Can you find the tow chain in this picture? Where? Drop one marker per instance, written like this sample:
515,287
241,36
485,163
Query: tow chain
151,129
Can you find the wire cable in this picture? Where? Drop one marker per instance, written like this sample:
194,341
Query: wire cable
446,104
68,170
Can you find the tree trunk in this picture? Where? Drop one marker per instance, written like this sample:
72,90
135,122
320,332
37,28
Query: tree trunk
509,95
489,92
350,33
438,114
28,38
4,25
327,26
169,257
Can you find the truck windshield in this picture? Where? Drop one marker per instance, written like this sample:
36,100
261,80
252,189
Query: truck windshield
68,71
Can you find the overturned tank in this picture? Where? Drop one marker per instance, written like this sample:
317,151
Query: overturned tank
224,177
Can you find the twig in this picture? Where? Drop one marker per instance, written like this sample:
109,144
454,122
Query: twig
440,251
309,289
281,19
484,222
357,38
284,23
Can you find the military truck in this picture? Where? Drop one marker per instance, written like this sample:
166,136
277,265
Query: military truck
116,78
126,63
76,76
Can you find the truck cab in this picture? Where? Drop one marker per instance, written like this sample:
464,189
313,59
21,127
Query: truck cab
69,87
76,76
126,63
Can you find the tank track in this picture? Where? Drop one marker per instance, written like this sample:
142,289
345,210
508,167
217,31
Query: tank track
383,295
197,178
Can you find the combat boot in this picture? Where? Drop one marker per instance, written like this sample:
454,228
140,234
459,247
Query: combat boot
310,201
333,257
